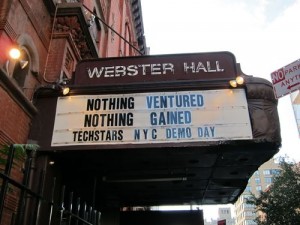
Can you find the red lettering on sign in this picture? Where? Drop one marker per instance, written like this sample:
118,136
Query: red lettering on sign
278,76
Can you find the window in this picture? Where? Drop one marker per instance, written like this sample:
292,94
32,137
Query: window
271,172
258,188
275,172
248,189
256,173
250,213
246,197
249,206
257,180
250,222
268,180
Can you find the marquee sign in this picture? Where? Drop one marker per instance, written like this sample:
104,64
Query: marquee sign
182,67
157,117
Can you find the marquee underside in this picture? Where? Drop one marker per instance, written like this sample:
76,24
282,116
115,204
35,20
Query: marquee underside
174,175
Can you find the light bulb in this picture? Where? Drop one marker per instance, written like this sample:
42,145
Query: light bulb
233,83
239,80
14,53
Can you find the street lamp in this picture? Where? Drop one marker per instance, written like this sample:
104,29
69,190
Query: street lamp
65,90
15,54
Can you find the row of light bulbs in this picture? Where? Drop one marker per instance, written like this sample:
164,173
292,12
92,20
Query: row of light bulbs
239,80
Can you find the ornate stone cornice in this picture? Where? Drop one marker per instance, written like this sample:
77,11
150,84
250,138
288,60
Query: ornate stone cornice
70,18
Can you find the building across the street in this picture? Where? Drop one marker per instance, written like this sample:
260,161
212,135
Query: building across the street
260,181
224,214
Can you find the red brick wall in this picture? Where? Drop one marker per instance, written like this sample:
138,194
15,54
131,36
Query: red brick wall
55,59
14,128
14,122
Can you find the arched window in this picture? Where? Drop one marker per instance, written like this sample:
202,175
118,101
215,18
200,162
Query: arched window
24,71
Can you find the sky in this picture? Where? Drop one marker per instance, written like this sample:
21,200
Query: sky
263,35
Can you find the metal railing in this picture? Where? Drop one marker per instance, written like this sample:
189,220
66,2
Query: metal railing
30,203
78,213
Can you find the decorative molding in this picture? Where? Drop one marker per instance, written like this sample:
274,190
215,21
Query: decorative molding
64,24
70,19
5,25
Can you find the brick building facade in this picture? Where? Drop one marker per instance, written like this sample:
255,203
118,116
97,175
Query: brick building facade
53,36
